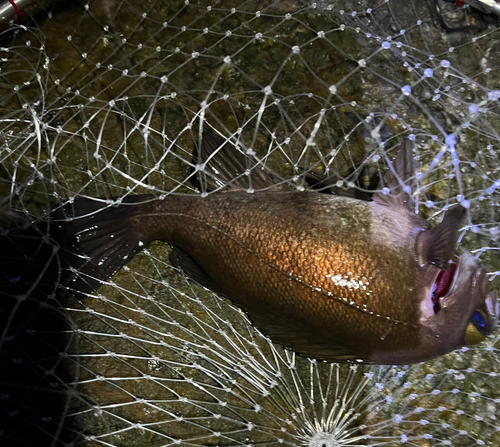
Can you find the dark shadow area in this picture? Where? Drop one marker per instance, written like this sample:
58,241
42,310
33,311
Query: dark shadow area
33,395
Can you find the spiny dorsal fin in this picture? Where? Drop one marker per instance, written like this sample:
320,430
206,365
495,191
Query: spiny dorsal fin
400,174
328,185
437,245
225,166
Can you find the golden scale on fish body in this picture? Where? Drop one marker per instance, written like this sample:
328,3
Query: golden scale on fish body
249,223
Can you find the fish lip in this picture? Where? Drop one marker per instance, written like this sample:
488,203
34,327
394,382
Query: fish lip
453,286
468,270
493,308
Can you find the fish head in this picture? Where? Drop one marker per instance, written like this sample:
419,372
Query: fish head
454,303
458,306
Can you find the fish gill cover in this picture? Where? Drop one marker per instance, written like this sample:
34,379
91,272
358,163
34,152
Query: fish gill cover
107,99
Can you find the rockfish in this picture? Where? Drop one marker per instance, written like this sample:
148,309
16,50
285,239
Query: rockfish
330,277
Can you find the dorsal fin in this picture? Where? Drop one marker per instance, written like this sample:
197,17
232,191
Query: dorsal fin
224,166
399,178
328,185
437,245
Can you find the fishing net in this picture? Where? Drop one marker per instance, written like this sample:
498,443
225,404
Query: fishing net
107,99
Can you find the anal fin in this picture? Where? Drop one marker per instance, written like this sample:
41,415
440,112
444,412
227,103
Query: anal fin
301,340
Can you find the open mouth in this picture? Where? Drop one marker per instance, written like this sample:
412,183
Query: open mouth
444,282
442,286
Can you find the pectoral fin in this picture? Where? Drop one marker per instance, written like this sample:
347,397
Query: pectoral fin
399,178
437,245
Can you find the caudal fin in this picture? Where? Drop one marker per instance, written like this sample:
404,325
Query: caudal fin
96,240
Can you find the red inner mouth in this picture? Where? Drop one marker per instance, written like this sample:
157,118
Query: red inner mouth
442,285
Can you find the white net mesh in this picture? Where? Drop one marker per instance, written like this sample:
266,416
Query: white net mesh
106,99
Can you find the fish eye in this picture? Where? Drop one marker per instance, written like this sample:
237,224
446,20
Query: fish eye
478,320
477,329
442,285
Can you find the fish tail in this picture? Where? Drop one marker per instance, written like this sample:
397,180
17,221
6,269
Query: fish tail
96,239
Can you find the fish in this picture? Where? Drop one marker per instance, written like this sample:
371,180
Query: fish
328,276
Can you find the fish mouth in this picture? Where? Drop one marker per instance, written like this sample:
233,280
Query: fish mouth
444,283
464,273
470,275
